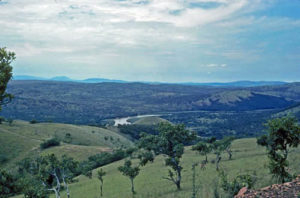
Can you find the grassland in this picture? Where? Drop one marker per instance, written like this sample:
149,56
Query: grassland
22,139
247,158
152,120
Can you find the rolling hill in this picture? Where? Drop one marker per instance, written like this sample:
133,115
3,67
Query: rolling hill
151,120
22,139
247,158
84,103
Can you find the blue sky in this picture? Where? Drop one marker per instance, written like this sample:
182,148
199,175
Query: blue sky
154,40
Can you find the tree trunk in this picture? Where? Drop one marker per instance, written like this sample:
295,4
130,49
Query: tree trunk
178,182
57,195
218,159
206,159
67,187
57,189
132,186
101,189
194,181
229,154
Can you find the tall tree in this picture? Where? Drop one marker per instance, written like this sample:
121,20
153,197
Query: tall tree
218,147
128,170
170,142
203,148
6,58
100,174
282,134
49,172
227,145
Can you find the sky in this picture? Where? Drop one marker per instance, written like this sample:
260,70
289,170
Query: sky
154,40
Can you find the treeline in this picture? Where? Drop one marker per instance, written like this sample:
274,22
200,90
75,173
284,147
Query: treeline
134,130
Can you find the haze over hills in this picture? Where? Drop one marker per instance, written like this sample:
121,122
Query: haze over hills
100,80
94,103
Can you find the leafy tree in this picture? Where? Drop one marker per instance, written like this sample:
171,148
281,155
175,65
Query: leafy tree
68,169
7,184
203,148
100,175
10,121
170,142
2,119
227,146
283,134
32,188
48,172
6,58
128,170
50,143
218,147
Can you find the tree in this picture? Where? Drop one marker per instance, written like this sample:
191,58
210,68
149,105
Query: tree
203,148
101,174
6,58
282,134
128,170
68,169
46,173
227,146
7,184
170,142
218,147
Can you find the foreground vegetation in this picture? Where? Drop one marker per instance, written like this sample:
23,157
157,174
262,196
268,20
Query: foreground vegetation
248,157
21,139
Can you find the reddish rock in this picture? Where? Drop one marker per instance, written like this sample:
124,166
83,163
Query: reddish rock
242,191
286,190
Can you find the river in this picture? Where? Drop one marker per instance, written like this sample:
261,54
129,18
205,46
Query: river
123,121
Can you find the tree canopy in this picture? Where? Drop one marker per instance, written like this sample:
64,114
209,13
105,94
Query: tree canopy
6,58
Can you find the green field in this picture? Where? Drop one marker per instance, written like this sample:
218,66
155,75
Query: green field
151,120
22,139
247,157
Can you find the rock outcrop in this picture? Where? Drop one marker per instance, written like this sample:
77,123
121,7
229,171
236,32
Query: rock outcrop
286,190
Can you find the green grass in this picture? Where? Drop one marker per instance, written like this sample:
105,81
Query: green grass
247,157
22,139
153,120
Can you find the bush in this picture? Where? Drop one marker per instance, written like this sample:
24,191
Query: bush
3,158
33,122
233,187
2,119
50,143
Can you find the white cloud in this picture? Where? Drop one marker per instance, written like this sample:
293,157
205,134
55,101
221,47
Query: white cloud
158,34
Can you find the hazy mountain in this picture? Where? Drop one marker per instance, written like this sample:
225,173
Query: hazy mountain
239,83
101,80
61,78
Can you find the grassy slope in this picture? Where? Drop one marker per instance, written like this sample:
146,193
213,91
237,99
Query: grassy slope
153,120
23,139
247,157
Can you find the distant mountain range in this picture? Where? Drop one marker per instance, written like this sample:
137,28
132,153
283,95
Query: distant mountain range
67,79
101,80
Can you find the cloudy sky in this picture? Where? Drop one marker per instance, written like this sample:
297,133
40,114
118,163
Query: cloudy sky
154,40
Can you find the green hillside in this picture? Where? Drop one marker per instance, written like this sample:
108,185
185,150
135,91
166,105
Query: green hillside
22,139
294,110
247,157
153,120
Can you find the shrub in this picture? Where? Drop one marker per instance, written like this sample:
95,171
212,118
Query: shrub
2,119
33,122
3,158
49,143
